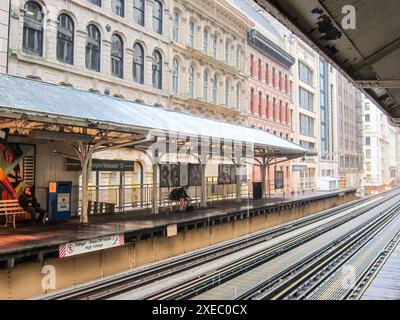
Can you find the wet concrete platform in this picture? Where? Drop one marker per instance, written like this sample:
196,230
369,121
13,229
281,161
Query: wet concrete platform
27,239
386,285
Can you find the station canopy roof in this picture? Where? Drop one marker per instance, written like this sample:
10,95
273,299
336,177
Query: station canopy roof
22,98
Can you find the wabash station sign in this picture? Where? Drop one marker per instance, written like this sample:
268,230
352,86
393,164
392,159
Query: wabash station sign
101,165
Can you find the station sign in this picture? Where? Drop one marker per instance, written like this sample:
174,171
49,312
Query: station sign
90,245
101,165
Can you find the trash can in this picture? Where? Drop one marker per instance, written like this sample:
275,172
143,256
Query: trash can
257,190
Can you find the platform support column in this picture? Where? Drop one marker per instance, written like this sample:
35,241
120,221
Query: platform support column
86,167
238,184
203,186
154,205
263,177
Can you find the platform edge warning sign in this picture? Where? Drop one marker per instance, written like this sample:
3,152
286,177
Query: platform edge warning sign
90,245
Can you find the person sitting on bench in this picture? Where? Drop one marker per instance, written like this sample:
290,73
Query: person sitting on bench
30,205
182,196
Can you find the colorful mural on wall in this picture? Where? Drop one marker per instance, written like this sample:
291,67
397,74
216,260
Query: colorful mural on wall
12,157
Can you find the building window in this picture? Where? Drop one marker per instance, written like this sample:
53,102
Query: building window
65,39
305,99
367,118
259,69
259,103
237,96
367,154
215,46
306,125
118,7
266,72
214,90
191,34
367,106
93,48
227,52
238,57
305,74
205,86
117,49
175,28
205,40
273,77
191,82
138,63
138,12
252,65
175,76
157,70
157,16
96,2
367,141
33,29
252,100
227,92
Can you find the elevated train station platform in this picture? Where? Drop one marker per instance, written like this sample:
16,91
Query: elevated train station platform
44,240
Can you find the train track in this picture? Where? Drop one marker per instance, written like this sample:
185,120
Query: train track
197,284
321,276
115,285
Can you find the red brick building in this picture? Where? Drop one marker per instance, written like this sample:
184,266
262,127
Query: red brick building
269,92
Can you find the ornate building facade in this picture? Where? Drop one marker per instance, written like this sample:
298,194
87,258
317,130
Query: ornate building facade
207,60
116,47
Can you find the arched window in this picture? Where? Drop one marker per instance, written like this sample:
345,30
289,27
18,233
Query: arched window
215,46
157,16
175,76
117,56
157,70
32,41
227,51
237,96
138,12
214,90
175,29
227,92
65,39
205,40
205,86
138,63
191,34
191,82
92,58
118,7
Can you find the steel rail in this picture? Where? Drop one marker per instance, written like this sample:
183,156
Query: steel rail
319,266
122,283
205,282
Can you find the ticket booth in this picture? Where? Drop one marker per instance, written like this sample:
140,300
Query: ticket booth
60,200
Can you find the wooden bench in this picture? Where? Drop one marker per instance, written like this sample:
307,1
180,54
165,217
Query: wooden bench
166,201
10,208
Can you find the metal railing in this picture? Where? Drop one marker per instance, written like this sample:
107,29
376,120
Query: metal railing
136,196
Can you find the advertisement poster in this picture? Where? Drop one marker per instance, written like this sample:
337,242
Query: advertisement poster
164,175
226,174
12,156
278,179
194,174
